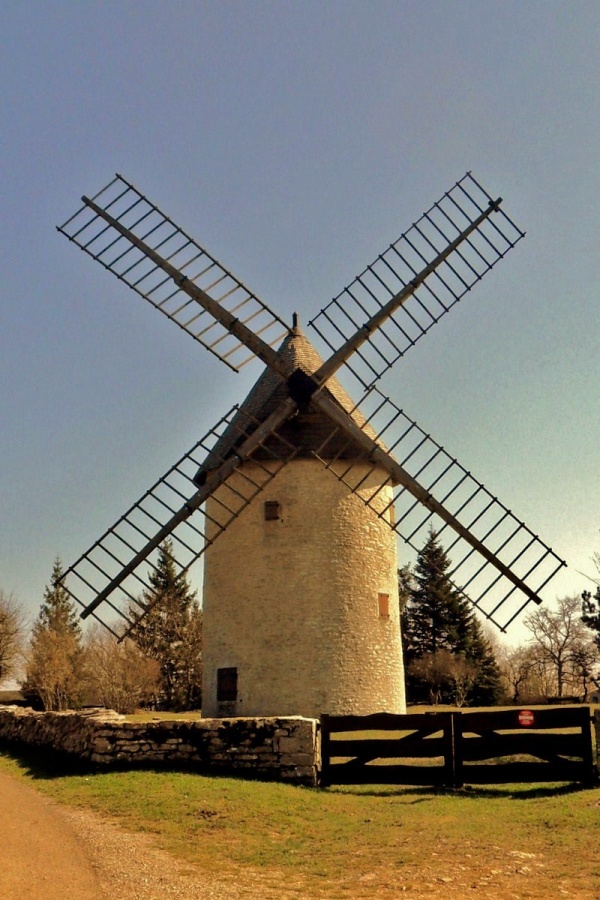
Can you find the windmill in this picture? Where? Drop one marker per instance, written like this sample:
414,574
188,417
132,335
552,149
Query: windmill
295,498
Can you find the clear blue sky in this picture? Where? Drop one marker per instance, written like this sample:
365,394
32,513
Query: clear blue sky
295,141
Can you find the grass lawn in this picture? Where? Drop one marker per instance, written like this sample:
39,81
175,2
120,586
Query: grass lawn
514,841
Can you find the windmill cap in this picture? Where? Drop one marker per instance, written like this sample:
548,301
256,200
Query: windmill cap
309,430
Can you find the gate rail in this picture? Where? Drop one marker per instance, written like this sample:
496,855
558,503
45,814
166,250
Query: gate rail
453,748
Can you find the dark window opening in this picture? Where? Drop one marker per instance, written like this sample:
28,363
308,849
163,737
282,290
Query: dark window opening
226,684
271,510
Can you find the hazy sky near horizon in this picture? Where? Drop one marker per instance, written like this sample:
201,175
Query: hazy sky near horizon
295,140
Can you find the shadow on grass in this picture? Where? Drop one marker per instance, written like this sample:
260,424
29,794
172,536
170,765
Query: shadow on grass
502,792
46,765
38,763
42,764
526,791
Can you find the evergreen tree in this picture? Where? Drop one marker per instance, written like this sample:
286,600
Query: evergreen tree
58,612
171,633
487,686
435,613
438,619
591,605
56,658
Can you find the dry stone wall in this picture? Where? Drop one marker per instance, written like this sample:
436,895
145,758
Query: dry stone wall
270,748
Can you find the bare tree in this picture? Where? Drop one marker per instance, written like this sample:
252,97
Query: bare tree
462,674
556,635
12,632
446,674
51,673
518,666
596,561
431,669
120,675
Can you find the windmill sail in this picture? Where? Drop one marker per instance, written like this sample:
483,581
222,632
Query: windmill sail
418,274
498,563
109,579
127,234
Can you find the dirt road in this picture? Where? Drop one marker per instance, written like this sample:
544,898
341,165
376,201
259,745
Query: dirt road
40,855
50,852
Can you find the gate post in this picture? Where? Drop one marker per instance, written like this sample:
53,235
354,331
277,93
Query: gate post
589,767
457,746
449,750
597,729
325,751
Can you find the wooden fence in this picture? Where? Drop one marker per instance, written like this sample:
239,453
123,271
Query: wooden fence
455,748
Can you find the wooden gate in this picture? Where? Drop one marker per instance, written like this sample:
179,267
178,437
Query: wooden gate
388,749
507,746
454,748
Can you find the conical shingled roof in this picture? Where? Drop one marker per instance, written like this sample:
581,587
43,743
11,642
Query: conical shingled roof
308,430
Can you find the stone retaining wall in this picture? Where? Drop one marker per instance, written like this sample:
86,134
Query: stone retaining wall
270,748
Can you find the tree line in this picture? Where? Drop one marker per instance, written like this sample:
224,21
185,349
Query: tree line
450,658
449,655
158,665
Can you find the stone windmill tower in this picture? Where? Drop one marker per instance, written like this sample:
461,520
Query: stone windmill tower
304,624
295,498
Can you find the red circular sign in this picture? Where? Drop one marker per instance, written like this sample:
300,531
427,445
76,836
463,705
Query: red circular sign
526,717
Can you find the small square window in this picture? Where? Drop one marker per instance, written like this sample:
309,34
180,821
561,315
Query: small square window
226,684
383,605
271,510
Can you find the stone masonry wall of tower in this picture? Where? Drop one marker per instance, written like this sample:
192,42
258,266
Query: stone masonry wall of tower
292,604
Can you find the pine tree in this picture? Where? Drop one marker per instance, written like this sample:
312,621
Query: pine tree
171,633
58,612
56,658
487,686
438,619
434,609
